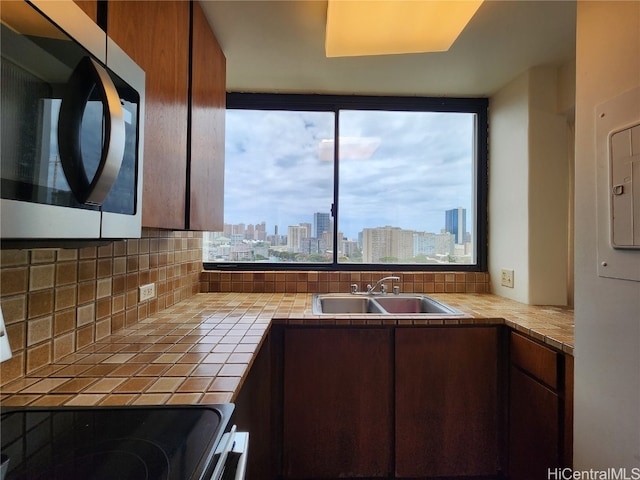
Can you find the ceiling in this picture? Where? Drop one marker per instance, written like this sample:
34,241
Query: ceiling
278,46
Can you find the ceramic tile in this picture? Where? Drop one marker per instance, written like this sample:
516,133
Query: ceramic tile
118,399
134,385
151,399
206,370
184,398
85,399
195,384
165,384
224,384
152,370
75,385
41,277
19,400
180,370
45,385
216,397
105,385
231,370
51,400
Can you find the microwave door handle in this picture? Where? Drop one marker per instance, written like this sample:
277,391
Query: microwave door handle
88,75
113,149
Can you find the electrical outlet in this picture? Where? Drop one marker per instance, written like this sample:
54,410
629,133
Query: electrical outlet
506,279
147,291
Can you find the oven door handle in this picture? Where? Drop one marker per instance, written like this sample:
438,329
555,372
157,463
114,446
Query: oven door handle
222,460
87,76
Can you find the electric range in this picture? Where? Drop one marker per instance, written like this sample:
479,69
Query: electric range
169,442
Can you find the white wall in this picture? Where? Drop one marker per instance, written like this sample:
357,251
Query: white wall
607,311
548,190
508,180
529,188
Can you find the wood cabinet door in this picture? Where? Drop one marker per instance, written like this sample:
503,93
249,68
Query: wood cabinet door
446,401
338,405
534,440
90,7
156,35
208,103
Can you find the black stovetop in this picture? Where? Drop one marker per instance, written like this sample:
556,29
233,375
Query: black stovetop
171,442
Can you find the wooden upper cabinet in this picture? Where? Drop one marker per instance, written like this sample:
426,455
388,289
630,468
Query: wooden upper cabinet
208,103
90,7
156,35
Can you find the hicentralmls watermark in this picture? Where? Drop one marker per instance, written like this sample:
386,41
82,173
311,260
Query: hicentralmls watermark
621,473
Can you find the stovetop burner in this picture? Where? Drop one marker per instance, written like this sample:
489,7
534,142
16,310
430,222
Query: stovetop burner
137,443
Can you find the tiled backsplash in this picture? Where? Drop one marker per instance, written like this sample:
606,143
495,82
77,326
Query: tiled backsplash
57,301
326,282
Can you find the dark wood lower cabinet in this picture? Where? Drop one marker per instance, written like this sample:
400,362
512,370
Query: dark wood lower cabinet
446,402
398,402
338,403
533,428
540,409
253,414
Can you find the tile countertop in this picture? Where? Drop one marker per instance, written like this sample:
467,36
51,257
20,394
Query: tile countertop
200,350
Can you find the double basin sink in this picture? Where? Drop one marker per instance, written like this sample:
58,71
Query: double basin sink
389,304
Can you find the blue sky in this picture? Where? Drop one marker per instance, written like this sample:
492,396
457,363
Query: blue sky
421,165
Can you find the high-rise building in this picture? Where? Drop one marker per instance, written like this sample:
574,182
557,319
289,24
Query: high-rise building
321,224
455,222
261,231
433,244
295,235
386,242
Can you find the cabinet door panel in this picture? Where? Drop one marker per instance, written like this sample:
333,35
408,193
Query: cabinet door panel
156,35
533,428
208,102
567,453
446,402
338,413
538,360
90,7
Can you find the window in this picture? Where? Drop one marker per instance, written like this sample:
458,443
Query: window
353,183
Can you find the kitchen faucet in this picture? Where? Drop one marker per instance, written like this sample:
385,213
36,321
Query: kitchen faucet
383,288
371,290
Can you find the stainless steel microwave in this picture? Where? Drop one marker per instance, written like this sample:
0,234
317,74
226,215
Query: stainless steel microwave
72,122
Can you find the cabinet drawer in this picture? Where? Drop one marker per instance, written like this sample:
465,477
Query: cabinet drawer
538,360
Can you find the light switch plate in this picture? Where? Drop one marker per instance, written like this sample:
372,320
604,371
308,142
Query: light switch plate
5,349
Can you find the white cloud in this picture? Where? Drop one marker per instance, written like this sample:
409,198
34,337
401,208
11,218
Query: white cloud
421,168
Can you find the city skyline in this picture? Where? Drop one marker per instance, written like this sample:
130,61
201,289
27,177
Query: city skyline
421,164
307,242
326,219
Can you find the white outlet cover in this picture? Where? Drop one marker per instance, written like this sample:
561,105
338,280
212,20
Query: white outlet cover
147,291
5,349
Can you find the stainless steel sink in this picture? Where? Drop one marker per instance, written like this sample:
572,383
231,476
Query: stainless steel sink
402,304
347,304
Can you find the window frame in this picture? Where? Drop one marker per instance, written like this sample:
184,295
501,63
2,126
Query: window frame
335,103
